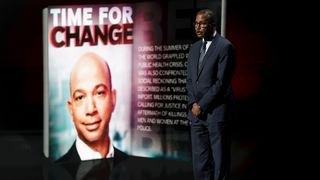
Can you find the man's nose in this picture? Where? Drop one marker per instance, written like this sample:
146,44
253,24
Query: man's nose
91,105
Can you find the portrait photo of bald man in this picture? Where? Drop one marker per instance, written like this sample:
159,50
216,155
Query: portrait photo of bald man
91,104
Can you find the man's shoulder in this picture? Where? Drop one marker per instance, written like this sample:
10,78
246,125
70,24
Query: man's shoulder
71,156
195,45
223,41
198,42
119,153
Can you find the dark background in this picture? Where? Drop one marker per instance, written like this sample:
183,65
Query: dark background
271,82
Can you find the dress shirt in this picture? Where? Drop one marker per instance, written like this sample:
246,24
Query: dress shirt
209,42
86,153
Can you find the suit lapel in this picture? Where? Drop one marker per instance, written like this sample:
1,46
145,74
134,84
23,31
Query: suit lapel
195,62
209,52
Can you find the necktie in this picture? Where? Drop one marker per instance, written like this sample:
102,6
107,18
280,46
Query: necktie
202,53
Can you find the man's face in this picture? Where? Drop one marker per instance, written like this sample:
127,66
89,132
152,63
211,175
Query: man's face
92,100
202,27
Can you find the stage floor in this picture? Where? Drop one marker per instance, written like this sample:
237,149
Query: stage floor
21,158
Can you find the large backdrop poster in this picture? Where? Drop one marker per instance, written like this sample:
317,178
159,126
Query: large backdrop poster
146,46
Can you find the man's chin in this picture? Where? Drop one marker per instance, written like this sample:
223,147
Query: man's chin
92,137
199,35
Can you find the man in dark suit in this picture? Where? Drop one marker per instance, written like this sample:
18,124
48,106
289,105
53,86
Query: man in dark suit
211,66
92,101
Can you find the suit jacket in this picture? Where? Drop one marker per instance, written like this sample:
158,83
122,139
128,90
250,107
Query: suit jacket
97,168
211,86
73,156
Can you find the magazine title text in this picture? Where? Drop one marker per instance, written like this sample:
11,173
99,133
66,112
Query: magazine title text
87,25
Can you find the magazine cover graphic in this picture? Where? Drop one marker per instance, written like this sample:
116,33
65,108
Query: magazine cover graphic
69,33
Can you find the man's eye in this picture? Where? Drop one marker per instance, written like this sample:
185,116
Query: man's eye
100,93
79,98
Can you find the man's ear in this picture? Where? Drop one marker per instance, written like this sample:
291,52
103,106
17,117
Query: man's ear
70,108
113,98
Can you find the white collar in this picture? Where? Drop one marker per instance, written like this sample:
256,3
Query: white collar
209,42
86,153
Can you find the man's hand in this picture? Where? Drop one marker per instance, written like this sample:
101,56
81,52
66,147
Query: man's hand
196,109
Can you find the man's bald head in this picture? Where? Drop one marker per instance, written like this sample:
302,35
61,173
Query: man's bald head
92,100
88,64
